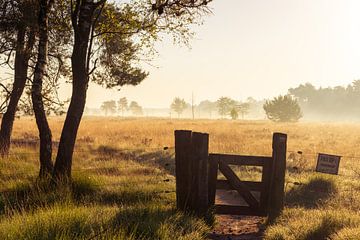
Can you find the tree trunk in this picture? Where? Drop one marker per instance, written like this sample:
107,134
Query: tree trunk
46,165
22,56
82,28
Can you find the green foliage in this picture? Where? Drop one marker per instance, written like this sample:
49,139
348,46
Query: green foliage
283,109
225,105
234,114
135,108
178,105
337,102
23,14
243,108
123,105
109,107
207,106
125,33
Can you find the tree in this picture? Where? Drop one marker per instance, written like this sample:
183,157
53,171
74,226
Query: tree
243,109
135,108
109,107
234,114
123,105
283,109
225,105
17,32
178,105
118,34
20,32
336,102
207,106
46,165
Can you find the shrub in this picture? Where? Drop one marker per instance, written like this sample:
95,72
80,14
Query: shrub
283,109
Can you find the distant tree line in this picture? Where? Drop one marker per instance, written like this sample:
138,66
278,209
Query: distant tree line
337,103
224,107
122,106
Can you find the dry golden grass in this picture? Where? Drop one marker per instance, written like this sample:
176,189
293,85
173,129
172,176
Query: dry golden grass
127,155
245,137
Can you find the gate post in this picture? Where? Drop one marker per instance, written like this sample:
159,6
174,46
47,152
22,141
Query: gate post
182,168
191,169
199,158
277,187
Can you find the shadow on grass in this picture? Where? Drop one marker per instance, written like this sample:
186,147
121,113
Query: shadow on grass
163,159
108,152
324,230
310,194
126,197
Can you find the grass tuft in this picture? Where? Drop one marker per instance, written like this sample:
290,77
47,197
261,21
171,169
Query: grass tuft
305,224
312,193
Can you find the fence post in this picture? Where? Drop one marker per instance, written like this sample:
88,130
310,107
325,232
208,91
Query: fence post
266,178
213,173
182,168
276,199
199,162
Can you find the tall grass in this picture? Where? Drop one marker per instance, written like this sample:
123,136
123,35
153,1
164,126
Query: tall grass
123,185
109,198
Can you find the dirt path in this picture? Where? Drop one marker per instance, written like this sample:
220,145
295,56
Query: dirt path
234,227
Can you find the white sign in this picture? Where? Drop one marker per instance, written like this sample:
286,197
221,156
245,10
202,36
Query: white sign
328,163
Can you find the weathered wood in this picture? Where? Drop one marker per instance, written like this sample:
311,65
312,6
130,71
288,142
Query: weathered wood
240,187
241,159
266,181
253,186
182,168
199,162
237,210
213,173
277,188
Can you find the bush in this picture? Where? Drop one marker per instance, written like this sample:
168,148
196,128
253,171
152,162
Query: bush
283,109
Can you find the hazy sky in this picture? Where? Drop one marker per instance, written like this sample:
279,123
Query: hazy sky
256,48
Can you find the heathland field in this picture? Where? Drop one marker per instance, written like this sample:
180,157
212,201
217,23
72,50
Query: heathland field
124,185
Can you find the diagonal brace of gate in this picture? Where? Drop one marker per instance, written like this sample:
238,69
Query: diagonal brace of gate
240,187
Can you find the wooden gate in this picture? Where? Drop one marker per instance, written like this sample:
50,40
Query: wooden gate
196,184
255,206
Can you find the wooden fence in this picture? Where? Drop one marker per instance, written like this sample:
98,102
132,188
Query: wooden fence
197,177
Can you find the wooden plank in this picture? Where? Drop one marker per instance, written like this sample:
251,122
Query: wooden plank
253,186
277,188
266,181
240,187
182,168
237,210
241,159
199,161
213,173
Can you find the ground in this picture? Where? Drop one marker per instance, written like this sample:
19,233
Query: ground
124,184
234,227
231,227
